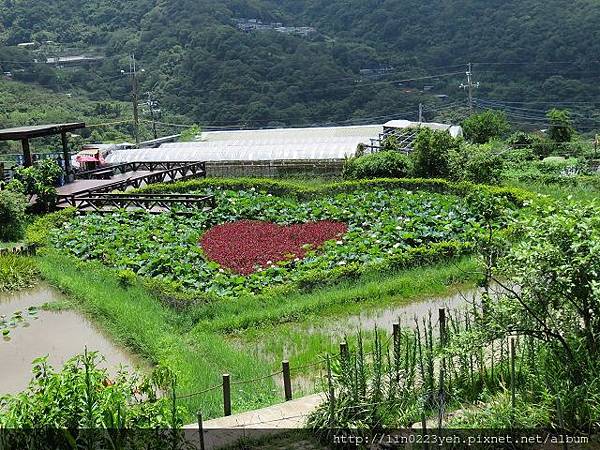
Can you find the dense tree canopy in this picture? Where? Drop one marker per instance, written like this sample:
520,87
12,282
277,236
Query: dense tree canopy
199,64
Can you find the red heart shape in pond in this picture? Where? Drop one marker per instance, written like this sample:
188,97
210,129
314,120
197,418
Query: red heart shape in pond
245,245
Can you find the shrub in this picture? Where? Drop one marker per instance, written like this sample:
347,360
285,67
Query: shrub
477,164
85,397
388,164
12,215
431,155
39,180
561,125
556,165
486,126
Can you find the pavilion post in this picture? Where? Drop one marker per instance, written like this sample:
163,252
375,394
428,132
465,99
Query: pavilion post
27,158
66,155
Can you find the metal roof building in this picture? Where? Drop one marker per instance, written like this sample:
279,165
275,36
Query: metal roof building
259,145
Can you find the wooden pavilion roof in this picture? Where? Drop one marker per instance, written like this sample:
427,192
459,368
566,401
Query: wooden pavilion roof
36,131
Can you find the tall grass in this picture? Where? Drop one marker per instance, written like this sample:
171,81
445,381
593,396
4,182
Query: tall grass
137,320
16,272
423,372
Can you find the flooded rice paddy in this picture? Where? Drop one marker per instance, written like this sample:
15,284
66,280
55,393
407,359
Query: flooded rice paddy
59,334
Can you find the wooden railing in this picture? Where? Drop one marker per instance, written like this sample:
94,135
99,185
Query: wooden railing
122,168
156,203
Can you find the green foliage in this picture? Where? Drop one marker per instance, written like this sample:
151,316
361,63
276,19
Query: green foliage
431,153
16,272
384,227
480,164
83,395
555,265
12,215
39,181
385,164
301,191
190,134
135,318
561,125
485,127
37,233
126,278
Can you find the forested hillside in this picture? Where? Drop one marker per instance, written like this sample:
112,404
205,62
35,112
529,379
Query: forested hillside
368,59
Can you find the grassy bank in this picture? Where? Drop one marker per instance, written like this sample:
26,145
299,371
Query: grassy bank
199,353
137,320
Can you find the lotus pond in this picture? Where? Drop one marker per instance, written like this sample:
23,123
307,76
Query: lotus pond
379,226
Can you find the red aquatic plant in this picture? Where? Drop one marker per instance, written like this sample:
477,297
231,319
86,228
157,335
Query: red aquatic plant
246,245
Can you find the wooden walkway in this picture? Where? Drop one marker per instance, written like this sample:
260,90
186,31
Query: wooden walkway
261,423
128,175
152,203
94,190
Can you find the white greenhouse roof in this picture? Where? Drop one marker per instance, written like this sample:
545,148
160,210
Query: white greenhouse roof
454,130
259,145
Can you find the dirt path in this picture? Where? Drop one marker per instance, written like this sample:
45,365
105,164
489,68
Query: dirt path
260,423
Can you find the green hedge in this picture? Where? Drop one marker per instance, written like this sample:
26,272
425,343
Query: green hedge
413,257
300,191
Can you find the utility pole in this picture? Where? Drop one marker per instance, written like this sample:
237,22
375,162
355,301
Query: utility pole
470,85
134,97
420,112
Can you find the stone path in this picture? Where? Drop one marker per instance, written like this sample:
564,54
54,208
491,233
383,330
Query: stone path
257,424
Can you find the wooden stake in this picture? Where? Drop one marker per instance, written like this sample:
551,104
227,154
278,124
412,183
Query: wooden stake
201,430
513,396
287,380
226,394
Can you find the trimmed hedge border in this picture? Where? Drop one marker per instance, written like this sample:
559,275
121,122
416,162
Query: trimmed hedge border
286,188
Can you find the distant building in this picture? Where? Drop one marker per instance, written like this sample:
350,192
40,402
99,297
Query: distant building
73,60
249,25
27,45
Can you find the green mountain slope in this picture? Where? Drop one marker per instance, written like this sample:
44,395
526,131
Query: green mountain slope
197,63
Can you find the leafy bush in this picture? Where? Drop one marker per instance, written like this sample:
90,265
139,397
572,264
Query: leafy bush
190,134
386,164
300,191
556,265
477,164
557,165
39,181
16,272
84,396
561,125
486,126
12,215
431,153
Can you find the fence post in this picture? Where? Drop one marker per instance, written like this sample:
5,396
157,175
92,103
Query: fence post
512,377
396,331
226,394
287,380
442,394
424,430
201,430
344,354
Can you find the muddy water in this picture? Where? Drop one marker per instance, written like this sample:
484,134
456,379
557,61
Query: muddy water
60,335
384,318
329,332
